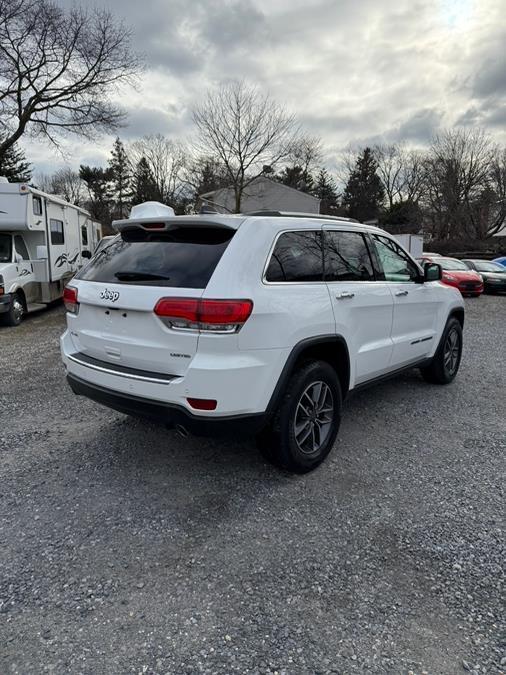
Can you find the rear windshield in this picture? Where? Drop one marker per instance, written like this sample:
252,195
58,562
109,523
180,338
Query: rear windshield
181,257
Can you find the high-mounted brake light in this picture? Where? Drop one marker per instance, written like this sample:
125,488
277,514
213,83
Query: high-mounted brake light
70,299
153,226
222,316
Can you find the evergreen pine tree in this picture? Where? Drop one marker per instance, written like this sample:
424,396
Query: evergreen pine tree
98,183
144,188
364,191
325,190
296,177
13,165
121,172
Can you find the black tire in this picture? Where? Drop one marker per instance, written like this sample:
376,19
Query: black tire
445,364
279,442
15,313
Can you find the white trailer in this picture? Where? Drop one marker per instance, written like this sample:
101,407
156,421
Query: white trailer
412,243
43,242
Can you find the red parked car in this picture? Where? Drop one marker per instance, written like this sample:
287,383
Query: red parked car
457,274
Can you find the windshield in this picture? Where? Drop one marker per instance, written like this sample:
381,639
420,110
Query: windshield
5,248
482,266
451,264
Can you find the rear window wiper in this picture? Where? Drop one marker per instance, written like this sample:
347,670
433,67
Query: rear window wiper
139,276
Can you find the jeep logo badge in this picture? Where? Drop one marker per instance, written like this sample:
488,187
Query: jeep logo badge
109,295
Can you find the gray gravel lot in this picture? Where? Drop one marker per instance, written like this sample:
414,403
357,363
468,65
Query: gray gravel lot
127,549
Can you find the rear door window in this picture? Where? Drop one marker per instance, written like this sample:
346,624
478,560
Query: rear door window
297,257
182,257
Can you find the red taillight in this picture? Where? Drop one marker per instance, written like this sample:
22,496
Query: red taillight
185,309
224,311
206,315
70,299
202,403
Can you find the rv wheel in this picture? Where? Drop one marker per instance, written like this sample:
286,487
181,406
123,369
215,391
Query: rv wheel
16,311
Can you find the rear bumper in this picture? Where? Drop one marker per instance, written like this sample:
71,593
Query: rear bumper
5,302
168,413
241,382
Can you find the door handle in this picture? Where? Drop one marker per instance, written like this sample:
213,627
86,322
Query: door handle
401,292
344,295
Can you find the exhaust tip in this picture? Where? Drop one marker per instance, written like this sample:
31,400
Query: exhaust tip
181,430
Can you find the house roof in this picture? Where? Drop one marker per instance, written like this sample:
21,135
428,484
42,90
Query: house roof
264,179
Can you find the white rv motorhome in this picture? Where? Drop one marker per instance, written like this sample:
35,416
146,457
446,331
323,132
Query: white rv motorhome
43,242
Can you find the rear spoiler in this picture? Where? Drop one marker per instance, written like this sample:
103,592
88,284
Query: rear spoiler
157,224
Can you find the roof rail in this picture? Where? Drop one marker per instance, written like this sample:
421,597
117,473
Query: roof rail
297,214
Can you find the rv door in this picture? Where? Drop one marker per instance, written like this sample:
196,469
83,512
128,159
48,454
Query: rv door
24,269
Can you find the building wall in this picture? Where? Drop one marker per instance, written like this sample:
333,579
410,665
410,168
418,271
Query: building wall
266,194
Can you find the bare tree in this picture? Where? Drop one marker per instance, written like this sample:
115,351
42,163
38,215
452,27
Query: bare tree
59,70
166,160
458,170
204,174
245,130
65,183
497,214
306,152
401,171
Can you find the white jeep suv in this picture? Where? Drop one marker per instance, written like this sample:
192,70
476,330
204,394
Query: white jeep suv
258,323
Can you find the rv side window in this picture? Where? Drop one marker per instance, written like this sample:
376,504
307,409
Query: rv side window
56,231
84,235
37,206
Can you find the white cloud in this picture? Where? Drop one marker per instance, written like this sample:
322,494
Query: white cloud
352,71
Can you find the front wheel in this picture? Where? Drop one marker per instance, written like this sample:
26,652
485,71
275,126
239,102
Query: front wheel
15,313
307,420
445,364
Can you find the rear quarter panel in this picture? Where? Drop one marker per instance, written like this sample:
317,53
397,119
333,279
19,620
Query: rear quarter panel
283,313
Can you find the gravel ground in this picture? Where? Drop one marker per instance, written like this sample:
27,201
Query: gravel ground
127,549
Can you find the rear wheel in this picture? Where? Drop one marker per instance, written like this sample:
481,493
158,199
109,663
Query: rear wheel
16,311
307,420
445,364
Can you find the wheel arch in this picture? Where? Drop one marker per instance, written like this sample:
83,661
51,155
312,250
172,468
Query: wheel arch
330,348
18,290
458,313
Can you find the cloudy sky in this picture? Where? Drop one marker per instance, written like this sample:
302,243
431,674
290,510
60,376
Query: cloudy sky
354,71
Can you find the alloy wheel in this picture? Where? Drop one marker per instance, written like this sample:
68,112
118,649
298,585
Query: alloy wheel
451,351
313,417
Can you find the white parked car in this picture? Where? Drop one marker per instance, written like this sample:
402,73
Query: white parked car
254,323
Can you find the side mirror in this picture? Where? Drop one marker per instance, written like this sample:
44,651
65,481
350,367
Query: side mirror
41,252
432,272
86,254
